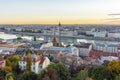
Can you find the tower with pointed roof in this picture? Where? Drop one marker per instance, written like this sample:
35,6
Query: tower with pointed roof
59,26
54,41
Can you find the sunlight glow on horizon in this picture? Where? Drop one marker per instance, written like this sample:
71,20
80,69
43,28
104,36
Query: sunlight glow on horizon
65,11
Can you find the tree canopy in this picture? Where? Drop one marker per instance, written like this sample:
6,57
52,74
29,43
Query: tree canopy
99,73
114,66
61,69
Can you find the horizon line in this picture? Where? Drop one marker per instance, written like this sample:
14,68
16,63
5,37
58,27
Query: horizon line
56,24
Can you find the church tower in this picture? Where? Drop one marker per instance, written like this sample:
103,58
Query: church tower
54,41
59,24
59,32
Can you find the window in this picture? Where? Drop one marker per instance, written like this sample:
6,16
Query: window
33,68
20,62
40,66
24,67
20,66
33,63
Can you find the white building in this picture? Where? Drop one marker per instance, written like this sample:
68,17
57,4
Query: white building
46,45
39,63
7,28
114,35
61,33
97,33
18,29
84,48
113,48
100,34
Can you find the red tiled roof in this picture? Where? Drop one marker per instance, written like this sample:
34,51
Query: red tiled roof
46,51
42,60
101,53
1,59
39,58
90,58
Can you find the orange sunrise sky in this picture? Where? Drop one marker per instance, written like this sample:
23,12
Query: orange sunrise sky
65,11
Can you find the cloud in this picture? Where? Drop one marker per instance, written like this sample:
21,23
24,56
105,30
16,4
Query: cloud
112,19
114,14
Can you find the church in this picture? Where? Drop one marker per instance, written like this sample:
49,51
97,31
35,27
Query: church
54,40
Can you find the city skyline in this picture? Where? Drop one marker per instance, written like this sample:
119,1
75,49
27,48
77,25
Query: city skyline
65,11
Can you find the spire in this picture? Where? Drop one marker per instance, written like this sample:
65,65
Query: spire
59,24
59,32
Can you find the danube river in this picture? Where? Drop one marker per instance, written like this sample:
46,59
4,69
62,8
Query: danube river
13,36
65,41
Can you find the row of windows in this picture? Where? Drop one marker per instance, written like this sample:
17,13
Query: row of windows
107,49
24,63
23,67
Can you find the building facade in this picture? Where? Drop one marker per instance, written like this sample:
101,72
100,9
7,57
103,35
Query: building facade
39,63
113,48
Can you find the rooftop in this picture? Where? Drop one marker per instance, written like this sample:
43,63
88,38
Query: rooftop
83,45
101,53
62,49
34,59
108,45
12,45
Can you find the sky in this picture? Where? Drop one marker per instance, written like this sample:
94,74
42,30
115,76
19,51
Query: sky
65,11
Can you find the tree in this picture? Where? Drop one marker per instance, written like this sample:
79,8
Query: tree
51,74
8,68
28,60
82,75
99,73
46,77
117,77
9,76
19,38
114,66
2,74
62,70
34,38
30,76
11,62
36,52
106,62
27,51
17,72
16,69
88,78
